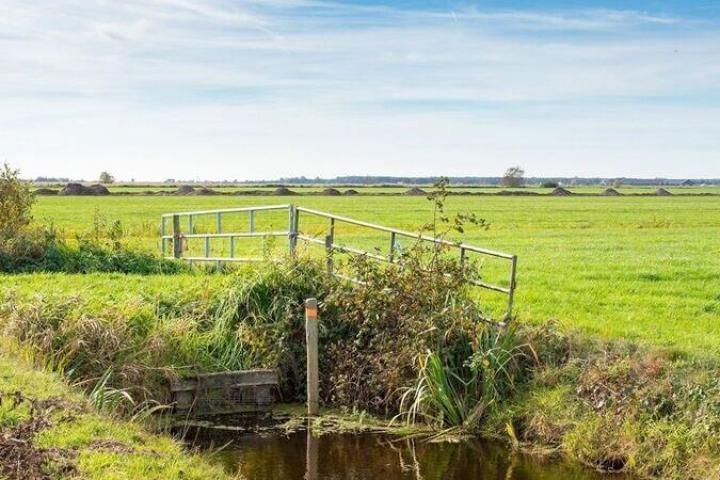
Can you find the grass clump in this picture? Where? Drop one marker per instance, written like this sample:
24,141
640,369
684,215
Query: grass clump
41,249
64,436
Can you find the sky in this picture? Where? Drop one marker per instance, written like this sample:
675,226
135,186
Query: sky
261,89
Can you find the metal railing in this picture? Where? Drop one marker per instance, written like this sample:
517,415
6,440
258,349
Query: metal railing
177,240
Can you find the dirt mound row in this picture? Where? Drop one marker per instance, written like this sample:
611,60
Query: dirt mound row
415,191
350,192
80,189
662,192
561,192
333,192
184,190
610,192
283,191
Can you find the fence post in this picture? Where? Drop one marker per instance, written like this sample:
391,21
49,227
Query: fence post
329,253
292,229
177,237
511,294
393,239
163,233
329,241
311,341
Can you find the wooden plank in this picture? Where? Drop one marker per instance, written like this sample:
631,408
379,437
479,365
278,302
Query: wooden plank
221,379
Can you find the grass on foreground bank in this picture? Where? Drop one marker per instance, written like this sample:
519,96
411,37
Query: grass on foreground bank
611,405
66,437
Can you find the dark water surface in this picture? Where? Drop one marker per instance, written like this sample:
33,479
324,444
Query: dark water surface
301,456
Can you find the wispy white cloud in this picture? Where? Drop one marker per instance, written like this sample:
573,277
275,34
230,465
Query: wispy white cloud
301,84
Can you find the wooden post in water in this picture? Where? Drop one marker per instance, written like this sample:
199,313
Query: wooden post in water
311,456
177,237
311,342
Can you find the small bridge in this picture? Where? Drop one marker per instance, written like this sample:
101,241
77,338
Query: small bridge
214,235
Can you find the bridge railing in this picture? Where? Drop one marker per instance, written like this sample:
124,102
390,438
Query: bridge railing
300,222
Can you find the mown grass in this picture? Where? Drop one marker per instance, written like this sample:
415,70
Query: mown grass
98,446
644,268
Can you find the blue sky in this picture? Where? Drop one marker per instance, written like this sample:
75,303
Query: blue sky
267,88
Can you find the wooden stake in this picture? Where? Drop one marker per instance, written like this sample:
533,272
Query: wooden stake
311,341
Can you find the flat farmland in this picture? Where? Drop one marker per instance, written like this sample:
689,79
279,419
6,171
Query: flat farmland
642,268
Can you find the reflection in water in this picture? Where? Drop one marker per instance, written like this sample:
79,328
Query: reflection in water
362,457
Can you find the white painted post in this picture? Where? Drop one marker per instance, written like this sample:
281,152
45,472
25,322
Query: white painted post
311,342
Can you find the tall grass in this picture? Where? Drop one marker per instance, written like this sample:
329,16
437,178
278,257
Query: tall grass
455,392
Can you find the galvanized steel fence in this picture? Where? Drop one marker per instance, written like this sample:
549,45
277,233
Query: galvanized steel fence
174,240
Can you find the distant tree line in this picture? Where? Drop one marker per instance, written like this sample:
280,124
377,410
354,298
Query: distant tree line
516,179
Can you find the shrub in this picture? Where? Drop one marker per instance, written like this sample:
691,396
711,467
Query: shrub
550,185
42,250
15,202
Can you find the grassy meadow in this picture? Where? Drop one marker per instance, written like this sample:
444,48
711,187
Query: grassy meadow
642,268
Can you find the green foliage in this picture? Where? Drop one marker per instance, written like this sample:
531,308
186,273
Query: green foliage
106,178
43,250
15,202
72,435
513,177
595,282
456,391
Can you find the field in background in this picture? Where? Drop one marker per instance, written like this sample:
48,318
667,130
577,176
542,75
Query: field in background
385,189
644,268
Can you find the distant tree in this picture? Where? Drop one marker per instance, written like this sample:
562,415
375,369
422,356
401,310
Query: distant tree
550,185
15,202
513,177
106,178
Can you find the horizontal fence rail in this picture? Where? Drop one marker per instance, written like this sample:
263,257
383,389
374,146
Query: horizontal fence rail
174,240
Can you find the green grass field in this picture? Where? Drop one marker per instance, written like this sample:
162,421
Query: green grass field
641,268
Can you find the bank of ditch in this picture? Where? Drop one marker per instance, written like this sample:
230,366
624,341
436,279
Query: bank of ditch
412,353
50,430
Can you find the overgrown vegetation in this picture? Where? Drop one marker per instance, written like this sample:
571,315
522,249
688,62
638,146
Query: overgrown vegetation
15,202
25,247
406,338
41,249
48,430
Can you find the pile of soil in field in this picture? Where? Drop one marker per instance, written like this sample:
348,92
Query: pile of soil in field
184,190
45,191
561,192
80,189
662,192
610,192
415,191
283,191
97,189
350,192
331,191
